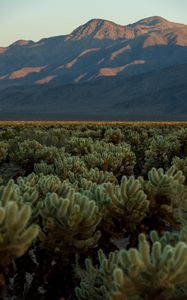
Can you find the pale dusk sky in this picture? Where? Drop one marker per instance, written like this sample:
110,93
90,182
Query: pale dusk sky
36,19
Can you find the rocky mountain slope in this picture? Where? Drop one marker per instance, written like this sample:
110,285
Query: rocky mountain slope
99,66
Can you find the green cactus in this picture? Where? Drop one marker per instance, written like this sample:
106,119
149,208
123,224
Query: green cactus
107,157
30,152
66,165
16,235
79,146
161,151
181,165
34,189
129,206
96,281
150,272
95,192
164,181
181,135
70,224
27,151
94,175
4,147
183,217
167,238
44,168
114,136
164,191
8,193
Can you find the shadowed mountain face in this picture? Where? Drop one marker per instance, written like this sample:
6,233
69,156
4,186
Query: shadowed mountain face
94,55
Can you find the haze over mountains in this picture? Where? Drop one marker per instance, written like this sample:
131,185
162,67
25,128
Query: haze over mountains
100,71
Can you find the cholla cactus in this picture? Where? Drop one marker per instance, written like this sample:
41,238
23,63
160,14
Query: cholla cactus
53,184
166,187
3,150
181,165
95,192
79,146
149,272
44,168
183,217
118,159
100,177
161,151
15,234
164,191
34,189
181,135
30,152
43,184
167,238
70,224
165,181
94,175
10,192
114,136
27,151
66,165
96,281
129,205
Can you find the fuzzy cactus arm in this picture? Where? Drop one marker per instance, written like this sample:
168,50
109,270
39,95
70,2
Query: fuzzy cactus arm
181,165
161,150
129,203
73,222
8,192
152,270
165,191
160,180
4,148
15,234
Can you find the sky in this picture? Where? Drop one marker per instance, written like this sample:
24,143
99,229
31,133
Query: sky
36,19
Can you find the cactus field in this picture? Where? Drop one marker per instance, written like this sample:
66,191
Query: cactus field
93,211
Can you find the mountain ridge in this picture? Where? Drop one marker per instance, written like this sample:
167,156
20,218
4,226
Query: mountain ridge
98,49
158,19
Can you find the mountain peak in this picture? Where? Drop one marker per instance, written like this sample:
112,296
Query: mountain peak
21,43
104,29
99,29
151,22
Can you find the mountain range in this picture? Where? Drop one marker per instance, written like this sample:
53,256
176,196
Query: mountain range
101,71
